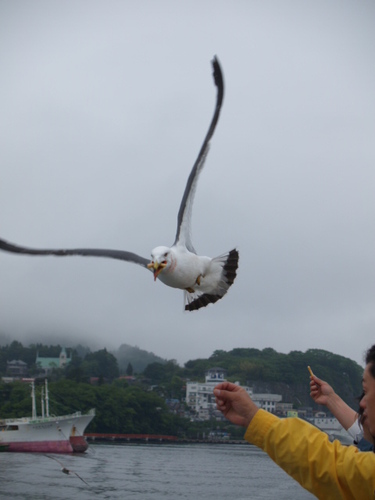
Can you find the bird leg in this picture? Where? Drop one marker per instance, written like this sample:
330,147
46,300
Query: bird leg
197,281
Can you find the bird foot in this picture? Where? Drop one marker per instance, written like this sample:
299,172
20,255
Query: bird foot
197,281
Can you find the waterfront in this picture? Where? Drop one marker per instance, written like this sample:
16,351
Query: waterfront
149,472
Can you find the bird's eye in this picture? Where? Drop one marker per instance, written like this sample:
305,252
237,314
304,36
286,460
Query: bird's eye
164,262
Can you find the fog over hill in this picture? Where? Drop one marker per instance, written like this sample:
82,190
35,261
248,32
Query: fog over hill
139,358
125,353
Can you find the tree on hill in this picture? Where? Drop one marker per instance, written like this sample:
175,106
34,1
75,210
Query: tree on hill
269,371
139,358
16,351
100,364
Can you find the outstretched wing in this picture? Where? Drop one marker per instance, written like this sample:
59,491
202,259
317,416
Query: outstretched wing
183,235
86,252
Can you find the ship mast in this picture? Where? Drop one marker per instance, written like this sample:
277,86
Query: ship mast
33,414
42,401
47,399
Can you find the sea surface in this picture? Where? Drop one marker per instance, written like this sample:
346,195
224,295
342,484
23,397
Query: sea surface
149,472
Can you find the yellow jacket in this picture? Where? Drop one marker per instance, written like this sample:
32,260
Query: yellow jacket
328,470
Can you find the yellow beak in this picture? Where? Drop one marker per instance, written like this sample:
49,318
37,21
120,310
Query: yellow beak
156,267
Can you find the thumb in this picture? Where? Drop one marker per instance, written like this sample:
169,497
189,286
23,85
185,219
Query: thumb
317,380
224,394
219,393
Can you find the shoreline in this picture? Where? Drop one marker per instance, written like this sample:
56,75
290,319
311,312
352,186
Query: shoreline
154,439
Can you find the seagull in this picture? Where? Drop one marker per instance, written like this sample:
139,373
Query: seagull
65,470
204,280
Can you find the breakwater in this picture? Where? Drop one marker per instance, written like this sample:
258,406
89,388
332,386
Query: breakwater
155,438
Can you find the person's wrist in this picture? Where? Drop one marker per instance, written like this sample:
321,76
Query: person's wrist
253,409
332,400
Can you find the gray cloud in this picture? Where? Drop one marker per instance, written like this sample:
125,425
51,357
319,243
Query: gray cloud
104,108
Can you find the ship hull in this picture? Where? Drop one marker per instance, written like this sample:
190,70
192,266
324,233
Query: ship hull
40,447
64,434
78,444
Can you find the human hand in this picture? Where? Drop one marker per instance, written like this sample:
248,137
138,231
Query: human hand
234,403
320,391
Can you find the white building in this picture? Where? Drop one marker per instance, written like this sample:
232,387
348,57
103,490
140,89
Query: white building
200,397
284,409
267,401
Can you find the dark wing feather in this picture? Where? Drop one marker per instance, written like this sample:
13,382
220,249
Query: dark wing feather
183,234
86,252
197,299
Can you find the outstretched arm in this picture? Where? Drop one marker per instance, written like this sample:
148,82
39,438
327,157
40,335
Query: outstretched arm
328,470
323,394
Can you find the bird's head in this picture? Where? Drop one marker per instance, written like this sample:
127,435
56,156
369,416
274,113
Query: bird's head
160,259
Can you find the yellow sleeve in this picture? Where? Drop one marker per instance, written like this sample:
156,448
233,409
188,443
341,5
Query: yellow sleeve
328,470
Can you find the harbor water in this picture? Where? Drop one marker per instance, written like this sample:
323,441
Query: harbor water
148,472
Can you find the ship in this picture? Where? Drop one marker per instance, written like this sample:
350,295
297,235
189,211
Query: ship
45,433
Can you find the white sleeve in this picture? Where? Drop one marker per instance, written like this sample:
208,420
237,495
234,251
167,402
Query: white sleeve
355,431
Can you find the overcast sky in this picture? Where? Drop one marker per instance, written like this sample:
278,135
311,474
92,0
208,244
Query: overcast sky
104,106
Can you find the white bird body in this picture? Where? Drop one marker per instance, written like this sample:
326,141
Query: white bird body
203,279
183,267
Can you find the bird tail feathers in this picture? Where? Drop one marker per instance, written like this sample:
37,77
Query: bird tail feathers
227,264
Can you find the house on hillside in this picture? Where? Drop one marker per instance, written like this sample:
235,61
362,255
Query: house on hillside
200,397
17,368
48,364
267,402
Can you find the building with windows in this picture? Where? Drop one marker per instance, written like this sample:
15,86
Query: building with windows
17,368
285,409
200,397
267,402
48,364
